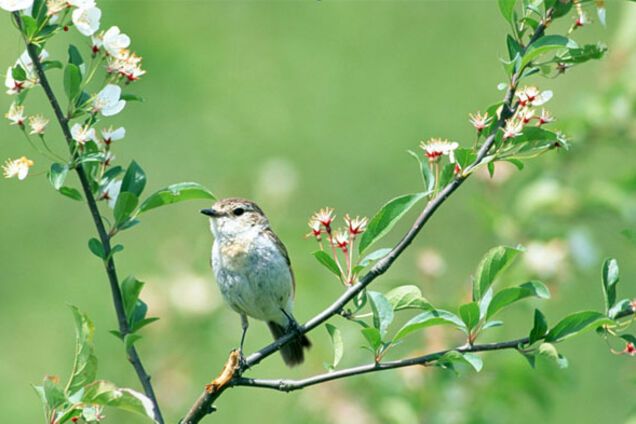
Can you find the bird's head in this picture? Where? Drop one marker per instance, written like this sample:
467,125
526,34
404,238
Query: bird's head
234,216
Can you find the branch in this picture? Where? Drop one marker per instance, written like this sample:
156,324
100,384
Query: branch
203,406
109,264
284,385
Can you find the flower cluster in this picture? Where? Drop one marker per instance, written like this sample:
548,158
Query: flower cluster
528,98
435,148
339,240
91,144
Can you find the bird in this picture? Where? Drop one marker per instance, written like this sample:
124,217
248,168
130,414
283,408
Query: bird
253,272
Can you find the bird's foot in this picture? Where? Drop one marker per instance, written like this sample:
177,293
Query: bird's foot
242,361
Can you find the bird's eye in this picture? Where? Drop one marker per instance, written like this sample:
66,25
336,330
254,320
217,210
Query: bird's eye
238,211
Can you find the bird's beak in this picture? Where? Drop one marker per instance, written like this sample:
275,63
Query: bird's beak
211,212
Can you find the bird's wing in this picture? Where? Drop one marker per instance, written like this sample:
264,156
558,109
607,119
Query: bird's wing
281,247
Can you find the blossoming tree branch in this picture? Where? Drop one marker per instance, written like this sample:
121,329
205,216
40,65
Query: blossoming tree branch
98,78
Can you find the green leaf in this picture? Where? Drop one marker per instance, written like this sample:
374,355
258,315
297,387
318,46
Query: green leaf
57,175
52,64
53,394
549,351
584,54
382,311
373,337
124,207
546,44
139,313
427,175
130,290
610,280
338,345
464,157
175,193
107,394
327,261
576,323
511,295
428,319
507,7
130,339
74,56
387,217
138,325
514,49
18,73
373,257
96,247
470,315
540,327
495,261
71,193
448,173
455,361
407,297
134,179
72,81
620,307
85,362
132,98
29,26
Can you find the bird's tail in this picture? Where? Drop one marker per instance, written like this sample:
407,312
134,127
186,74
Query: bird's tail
292,351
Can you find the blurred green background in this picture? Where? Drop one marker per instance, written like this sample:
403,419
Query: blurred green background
300,105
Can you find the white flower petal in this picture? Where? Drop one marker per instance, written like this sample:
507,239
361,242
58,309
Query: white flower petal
15,5
114,109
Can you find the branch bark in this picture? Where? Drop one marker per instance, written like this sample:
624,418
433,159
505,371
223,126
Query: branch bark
204,404
284,385
109,265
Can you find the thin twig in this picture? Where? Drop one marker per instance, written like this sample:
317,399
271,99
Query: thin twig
109,264
206,400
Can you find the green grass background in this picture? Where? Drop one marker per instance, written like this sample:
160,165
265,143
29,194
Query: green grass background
328,95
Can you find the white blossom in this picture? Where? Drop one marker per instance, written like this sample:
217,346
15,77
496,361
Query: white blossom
109,134
115,42
108,101
111,192
435,147
17,168
16,114
86,20
15,5
83,134
38,124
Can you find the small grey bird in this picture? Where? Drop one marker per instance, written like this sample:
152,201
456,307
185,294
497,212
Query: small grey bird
253,271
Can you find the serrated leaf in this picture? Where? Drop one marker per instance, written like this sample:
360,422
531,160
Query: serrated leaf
428,319
495,261
336,342
387,217
508,296
447,174
74,56
85,362
382,311
576,323
407,297
546,44
327,261
106,393
175,193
